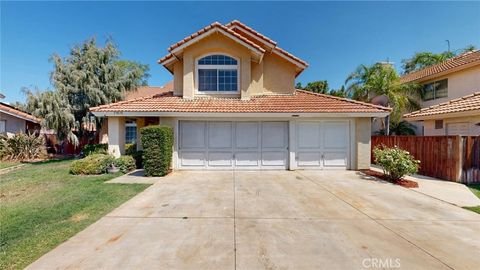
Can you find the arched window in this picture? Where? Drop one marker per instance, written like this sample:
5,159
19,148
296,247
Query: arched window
217,73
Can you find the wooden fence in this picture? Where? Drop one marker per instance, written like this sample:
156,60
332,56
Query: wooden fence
454,158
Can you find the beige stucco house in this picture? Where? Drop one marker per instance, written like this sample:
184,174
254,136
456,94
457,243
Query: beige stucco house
234,106
450,105
14,121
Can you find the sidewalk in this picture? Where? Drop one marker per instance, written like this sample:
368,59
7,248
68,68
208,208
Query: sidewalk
451,192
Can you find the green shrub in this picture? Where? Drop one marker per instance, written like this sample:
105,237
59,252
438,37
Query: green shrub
22,147
157,144
396,163
90,149
125,163
131,150
93,164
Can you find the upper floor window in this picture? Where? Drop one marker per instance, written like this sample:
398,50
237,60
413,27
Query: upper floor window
217,73
434,90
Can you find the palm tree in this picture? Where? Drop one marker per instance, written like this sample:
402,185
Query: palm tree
368,82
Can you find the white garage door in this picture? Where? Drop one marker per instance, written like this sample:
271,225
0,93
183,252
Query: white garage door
227,145
322,144
457,129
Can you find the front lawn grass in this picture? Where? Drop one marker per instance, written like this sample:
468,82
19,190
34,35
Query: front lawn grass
475,188
42,205
7,164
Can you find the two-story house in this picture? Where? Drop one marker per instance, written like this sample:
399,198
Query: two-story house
234,106
451,97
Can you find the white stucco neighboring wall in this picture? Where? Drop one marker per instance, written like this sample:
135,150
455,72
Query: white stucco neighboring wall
460,83
471,123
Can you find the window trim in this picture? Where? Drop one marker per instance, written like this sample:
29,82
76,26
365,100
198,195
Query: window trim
226,67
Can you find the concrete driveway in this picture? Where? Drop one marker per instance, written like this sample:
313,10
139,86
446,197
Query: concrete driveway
275,220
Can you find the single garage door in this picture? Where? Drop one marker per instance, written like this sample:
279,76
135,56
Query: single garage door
227,145
322,144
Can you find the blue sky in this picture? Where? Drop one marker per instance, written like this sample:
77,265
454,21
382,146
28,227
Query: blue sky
333,37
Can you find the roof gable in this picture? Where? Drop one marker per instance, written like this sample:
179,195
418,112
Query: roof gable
247,36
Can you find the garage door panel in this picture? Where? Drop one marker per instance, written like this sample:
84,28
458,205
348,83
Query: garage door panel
249,159
192,135
273,135
220,159
308,134
219,134
335,135
335,159
193,159
246,135
273,158
308,159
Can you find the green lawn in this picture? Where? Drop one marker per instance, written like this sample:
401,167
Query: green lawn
42,205
6,164
476,190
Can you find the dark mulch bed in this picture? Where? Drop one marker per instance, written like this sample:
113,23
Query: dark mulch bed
402,182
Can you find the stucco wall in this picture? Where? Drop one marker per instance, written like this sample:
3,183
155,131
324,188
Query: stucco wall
474,130
460,84
116,136
362,142
178,78
12,124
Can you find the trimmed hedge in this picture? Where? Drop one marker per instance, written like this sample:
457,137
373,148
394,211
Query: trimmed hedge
125,163
157,143
93,164
90,149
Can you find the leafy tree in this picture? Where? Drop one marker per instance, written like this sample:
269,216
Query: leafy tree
338,92
421,60
89,76
316,87
366,82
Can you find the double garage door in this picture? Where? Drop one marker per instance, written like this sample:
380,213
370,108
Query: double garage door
262,144
223,145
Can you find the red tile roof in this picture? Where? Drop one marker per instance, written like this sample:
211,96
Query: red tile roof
251,31
464,104
13,111
453,64
144,91
300,102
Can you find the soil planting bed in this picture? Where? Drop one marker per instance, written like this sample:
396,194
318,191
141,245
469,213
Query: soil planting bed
402,182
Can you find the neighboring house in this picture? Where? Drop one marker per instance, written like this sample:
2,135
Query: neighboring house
460,116
14,121
234,106
447,85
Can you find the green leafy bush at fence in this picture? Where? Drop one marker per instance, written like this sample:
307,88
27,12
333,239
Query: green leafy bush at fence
22,147
92,164
396,163
131,150
125,163
99,148
157,143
